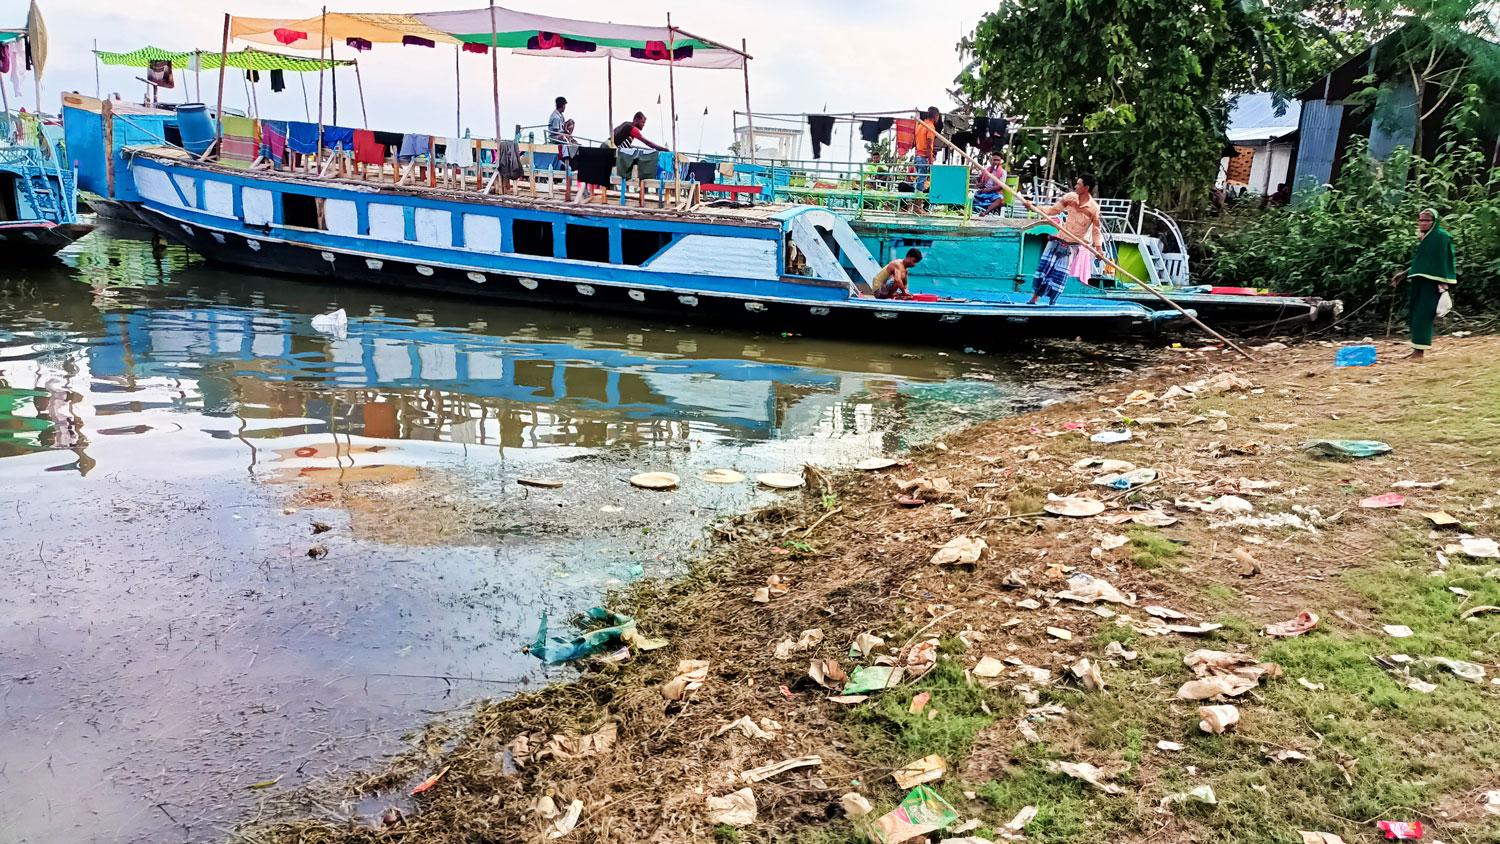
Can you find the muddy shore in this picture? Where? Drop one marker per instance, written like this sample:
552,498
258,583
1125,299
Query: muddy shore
1359,719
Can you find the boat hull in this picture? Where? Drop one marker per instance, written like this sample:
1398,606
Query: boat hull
34,241
927,323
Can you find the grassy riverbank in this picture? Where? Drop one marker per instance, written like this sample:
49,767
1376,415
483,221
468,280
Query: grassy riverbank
1375,743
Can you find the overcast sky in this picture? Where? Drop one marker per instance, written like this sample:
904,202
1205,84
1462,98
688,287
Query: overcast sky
838,55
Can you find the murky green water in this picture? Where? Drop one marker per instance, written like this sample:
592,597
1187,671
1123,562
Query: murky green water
171,434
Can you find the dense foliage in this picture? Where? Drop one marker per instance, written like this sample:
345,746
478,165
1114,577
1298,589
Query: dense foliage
1151,80
1345,242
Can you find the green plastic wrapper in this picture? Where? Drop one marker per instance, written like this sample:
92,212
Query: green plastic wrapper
921,812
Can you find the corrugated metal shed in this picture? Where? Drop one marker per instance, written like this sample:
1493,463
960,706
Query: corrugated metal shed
1318,140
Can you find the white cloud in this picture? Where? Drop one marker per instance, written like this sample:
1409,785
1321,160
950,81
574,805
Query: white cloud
842,56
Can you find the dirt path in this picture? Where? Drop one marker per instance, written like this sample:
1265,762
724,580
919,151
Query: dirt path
1260,530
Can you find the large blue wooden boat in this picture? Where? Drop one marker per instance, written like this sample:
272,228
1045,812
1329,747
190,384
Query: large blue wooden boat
769,267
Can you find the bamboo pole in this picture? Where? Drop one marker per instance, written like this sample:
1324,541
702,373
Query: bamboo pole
360,83
672,91
609,84
98,88
323,44
107,117
458,94
749,114
333,81
495,87
223,62
1030,206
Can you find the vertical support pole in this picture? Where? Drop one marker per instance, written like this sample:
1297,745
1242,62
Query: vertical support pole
322,51
107,115
495,88
98,88
360,83
672,92
223,63
458,96
609,70
749,113
333,81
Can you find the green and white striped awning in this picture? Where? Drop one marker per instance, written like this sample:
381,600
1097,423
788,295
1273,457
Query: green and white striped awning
247,59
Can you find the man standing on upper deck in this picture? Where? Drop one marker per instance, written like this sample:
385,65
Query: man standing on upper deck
1065,254
626,134
556,123
923,151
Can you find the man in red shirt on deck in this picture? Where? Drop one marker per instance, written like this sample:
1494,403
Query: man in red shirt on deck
626,134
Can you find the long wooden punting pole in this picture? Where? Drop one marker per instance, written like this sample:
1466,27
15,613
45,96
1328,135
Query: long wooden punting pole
360,83
223,63
495,87
323,44
749,114
1031,206
609,87
672,95
458,94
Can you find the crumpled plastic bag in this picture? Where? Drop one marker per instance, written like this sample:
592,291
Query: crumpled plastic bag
1348,448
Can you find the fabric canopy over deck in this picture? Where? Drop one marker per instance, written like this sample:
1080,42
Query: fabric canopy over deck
543,35
247,59
519,32
307,33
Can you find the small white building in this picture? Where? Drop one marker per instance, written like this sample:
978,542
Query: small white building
1264,142
771,143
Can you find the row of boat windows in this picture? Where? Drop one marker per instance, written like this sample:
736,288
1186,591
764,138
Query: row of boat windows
528,237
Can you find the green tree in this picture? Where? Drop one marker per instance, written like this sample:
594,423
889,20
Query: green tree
1149,82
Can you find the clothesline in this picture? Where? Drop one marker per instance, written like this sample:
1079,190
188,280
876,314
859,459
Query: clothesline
842,115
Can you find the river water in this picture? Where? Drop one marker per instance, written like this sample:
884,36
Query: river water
239,549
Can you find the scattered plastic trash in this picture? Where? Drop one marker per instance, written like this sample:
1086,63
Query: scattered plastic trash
765,731
863,644
1087,673
1170,746
1111,541
1202,794
1483,548
428,783
691,675
1492,802
1104,465
1480,610
1074,506
1127,480
1469,671
1400,830
1088,590
921,811
568,822
960,550
775,587
1060,633
737,808
1354,356
1319,837
1217,719
1304,622
919,702
806,642
655,480
875,464
335,323
1438,484
855,805
988,667
540,483
1022,818
780,480
873,678
616,633
765,772
827,673
1144,518
1348,448
1164,612
1110,437
924,770
1086,772
1441,519
1398,631
1385,501
921,658
722,476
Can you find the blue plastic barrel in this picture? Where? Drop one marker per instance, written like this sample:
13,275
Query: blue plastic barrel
197,130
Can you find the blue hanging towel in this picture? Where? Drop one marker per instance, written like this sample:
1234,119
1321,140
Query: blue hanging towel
413,146
338,137
302,137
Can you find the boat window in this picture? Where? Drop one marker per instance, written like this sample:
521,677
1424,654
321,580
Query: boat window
7,196
637,247
587,243
532,237
301,211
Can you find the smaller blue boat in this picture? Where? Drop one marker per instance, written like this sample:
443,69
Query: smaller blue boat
38,197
